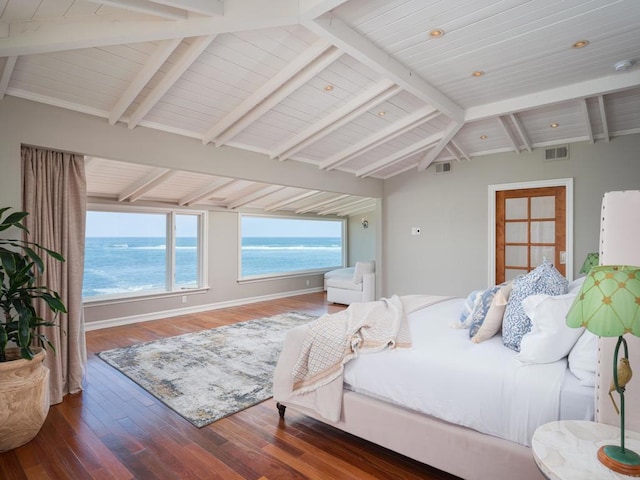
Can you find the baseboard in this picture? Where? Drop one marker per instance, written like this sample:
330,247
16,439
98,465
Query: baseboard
146,317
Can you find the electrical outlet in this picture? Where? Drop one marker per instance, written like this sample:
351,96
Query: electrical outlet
415,230
184,299
307,283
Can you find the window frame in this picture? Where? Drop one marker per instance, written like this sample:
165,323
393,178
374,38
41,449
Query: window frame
294,273
170,284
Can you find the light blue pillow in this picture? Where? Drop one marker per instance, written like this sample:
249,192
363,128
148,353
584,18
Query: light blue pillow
477,316
544,279
467,308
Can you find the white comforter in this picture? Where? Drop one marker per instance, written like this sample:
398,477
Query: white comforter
445,375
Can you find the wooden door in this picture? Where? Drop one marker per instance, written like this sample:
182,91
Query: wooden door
530,226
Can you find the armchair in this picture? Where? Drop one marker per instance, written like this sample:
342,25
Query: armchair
361,287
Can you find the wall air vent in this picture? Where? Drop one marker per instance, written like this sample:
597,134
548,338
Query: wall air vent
443,167
556,153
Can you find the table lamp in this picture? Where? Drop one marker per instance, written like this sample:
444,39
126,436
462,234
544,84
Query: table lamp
592,260
608,305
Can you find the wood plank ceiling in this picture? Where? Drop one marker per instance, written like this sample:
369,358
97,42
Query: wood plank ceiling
370,87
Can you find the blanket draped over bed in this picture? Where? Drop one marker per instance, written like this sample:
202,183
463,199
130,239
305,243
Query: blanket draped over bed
311,365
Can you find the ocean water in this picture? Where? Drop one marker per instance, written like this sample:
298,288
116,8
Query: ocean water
131,264
263,255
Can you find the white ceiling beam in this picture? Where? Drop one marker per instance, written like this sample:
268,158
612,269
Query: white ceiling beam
603,117
198,46
257,195
462,151
311,9
358,209
290,200
149,69
272,85
512,140
256,110
34,37
284,75
5,76
453,152
203,7
399,155
448,134
147,7
343,206
389,133
379,93
205,192
137,189
322,203
365,51
521,131
588,88
587,119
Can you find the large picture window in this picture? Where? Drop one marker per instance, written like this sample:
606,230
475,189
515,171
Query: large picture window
142,252
274,246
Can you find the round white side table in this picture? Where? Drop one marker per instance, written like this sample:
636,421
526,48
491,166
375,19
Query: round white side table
568,449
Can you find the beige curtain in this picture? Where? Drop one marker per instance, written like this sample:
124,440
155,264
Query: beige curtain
54,194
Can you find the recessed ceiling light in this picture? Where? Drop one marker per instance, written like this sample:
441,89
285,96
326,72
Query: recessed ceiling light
328,88
382,113
554,125
580,44
478,73
436,33
483,137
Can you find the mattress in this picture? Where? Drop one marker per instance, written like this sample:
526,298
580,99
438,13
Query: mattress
480,386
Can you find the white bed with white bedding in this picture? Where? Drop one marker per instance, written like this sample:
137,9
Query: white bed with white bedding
481,386
444,392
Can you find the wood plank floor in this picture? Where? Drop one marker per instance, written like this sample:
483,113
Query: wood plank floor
115,430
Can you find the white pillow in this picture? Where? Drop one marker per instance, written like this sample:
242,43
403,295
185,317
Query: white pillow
550,339
583,359
361,268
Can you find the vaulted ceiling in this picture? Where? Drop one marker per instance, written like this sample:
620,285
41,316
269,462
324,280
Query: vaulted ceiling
370,87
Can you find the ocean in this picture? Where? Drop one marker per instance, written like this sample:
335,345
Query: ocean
131,264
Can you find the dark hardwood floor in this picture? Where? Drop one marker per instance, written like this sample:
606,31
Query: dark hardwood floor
115,430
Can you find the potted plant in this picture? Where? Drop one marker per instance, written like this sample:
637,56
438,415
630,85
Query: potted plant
24,380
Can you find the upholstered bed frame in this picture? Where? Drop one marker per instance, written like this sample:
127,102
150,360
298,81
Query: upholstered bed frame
475,456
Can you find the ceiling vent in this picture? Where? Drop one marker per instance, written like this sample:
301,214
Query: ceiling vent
556,153
443,167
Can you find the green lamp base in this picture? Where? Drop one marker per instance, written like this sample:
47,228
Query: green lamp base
622,461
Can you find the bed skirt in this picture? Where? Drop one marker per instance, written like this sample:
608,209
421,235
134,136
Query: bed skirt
452,448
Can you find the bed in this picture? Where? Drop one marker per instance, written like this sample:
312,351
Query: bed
467,408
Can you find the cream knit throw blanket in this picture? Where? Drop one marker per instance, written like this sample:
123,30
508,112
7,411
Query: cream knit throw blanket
334,339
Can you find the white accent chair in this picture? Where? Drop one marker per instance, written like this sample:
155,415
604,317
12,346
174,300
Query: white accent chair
346,288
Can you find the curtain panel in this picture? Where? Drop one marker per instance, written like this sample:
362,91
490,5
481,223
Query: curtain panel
54,194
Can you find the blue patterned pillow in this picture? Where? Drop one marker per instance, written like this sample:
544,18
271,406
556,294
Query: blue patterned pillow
467,308
545,279
480,310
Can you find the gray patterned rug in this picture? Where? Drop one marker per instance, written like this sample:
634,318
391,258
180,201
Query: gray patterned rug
208,375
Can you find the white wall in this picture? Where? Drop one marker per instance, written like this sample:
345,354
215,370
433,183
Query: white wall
450,257
25,122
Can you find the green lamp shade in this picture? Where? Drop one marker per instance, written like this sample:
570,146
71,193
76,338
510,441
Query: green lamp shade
590,262
608,304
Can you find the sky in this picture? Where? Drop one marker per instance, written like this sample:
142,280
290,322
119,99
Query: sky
117,224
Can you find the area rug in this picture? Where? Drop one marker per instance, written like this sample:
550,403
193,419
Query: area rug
205,376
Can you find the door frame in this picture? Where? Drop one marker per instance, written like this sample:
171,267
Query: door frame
559,182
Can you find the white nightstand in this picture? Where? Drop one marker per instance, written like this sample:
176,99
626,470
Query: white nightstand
567,450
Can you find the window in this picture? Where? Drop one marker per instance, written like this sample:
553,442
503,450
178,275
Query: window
142,252
274,246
